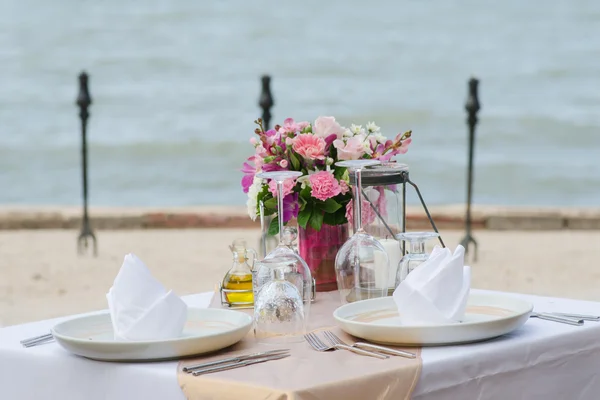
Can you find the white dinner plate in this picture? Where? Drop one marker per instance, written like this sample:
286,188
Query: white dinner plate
206,330
487,316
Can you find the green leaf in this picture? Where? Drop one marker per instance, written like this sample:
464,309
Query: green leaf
330,219
274,226
330,206
271,204
295,161
340,216
267,212
302,202
316,220
338,172
305,194
304,216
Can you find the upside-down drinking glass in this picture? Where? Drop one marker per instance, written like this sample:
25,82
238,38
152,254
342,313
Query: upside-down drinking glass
416,253
282,304
362,264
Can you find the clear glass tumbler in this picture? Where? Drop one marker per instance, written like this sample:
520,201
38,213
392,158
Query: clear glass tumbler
282,299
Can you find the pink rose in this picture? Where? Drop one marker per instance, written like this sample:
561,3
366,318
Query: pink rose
367,213
326,126
309,146
324,185
288,186
353,149
283,163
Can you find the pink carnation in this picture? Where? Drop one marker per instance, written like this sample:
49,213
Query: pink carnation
288,186
309,146
324,185
344,187
367,213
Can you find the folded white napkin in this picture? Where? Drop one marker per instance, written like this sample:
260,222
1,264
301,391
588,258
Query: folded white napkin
436,292
141,308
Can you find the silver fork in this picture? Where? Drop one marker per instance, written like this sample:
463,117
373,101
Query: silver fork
333,338
318,345
37,340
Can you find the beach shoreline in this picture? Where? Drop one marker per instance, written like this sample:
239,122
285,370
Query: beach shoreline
200,217
42,276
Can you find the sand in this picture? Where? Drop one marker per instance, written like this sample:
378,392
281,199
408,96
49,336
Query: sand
41,275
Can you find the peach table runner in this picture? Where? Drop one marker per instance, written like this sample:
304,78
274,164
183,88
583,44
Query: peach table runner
306,374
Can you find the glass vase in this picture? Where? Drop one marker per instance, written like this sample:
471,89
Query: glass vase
318,249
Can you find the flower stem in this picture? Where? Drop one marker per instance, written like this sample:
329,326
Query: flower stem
357,201
280,208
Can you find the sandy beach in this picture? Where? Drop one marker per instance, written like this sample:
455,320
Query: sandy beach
41,275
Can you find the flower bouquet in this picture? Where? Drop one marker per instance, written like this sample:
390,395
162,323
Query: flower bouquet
320,199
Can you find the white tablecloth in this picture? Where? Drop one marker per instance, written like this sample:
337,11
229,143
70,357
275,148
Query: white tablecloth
542,360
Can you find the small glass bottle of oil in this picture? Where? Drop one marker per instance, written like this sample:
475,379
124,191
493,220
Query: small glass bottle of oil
236,287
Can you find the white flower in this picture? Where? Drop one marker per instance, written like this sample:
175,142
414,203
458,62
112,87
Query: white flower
379,138
252,202
372,128
329,161
367,146
357,129
348,133
303,180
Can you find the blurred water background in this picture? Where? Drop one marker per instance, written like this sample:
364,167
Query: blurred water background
175,88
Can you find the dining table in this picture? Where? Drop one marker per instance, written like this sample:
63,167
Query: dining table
540,360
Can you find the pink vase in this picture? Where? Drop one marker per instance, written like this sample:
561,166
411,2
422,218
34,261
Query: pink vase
319,248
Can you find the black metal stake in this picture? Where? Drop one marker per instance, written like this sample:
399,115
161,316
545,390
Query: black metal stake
84,100
472,106
266,101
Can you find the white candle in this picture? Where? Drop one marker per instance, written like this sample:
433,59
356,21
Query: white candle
394,253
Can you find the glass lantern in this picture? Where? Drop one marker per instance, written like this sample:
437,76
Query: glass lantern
384,209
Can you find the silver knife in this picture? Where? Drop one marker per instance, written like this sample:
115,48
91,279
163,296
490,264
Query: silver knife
385,350
190,368
578,316
238,364
557,318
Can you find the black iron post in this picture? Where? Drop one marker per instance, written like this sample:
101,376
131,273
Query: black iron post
472,106
266,101
84,100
